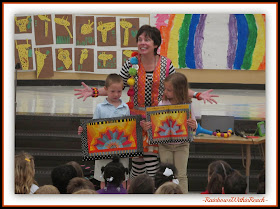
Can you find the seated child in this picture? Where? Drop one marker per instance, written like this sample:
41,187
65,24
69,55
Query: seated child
169,188
114,175
235,183
47,189
25,182
217,173
79,183
142,184
167,172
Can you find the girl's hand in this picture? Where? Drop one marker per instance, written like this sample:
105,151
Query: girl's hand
145,125
85,92
206,96
80,130
192,123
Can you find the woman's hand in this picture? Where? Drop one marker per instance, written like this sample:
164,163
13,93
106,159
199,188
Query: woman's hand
145,125
80,130
192,123
206,96
85,92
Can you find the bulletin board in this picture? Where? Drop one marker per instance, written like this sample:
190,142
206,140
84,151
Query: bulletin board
73,43
213,41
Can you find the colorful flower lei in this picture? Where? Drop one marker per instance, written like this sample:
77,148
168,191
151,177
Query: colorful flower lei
131,81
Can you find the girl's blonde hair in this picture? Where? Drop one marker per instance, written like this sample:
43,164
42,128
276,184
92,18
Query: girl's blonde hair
180,86
24,173
169,188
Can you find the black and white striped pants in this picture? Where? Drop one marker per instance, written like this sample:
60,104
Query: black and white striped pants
149,164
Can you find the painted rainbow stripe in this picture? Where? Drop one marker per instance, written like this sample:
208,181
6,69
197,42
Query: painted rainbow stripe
201,41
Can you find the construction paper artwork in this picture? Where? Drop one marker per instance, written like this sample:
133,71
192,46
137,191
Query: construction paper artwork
84,60
43,29
23,54
169,124
44,62
106,60
23,24
64,29
85,30
63,59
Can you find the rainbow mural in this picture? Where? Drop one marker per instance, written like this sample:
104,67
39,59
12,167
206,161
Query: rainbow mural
213,41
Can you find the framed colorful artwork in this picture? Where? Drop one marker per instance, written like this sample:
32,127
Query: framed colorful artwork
169,124
106,137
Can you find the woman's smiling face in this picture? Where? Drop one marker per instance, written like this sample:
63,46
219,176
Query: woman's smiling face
145,44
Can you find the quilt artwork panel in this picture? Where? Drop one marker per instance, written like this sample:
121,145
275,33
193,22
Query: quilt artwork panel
106,137
169,124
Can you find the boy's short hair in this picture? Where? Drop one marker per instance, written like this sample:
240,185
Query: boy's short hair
169,188
79,183
47,189
142,184
61,175
113,78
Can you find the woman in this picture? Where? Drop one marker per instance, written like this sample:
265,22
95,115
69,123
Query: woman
148,89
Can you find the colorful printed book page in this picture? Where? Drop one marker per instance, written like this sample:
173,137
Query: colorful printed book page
169,124
104,138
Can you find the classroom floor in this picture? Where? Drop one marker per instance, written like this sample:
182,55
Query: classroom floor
242,104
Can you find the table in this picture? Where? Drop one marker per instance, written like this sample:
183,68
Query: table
248,142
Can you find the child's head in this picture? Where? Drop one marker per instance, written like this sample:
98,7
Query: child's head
142,184
217,173
169,188
114,86
47,189
24,173
114,172
86,191
61,175
77,167
176,89
79,183
235,183
167,172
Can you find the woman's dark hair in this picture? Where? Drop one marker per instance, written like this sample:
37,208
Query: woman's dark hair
151,32
115,171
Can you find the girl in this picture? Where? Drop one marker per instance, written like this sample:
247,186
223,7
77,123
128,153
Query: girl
24,174
176,92
114,175
217,173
